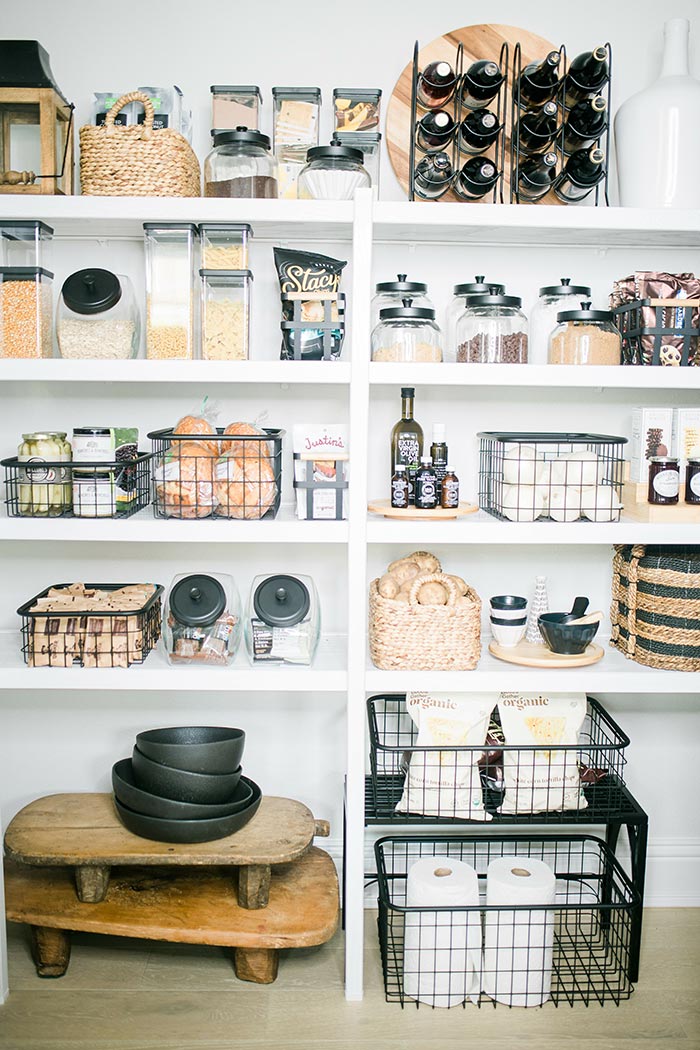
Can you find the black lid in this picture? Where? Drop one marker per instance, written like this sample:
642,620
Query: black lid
494,300
585,314
564,288
242,136
408,391
358,94
281,601
171,226
226,227
402,285
335,152
407,312
479,286
12,228
227,273
236,89
91,430
310,94
91,291
197,601
23,273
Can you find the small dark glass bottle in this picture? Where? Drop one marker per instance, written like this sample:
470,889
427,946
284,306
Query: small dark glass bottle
692,481
399,487
438,454
481,83
582,172
536,176
426,485
539,81
435,85
585,124
435,129
476,178
449,497
433,176
588,74
537,128
478,131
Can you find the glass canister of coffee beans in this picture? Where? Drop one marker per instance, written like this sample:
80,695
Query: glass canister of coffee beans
492,330
664,480
692,481
240,165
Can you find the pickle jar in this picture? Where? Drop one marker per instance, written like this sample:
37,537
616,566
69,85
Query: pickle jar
283,620
552,300
408,334
226,314
585,337
172,259
43,490
393,293
492,330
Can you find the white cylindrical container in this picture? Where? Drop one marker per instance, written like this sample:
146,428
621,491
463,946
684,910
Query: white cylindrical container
94,494
93,445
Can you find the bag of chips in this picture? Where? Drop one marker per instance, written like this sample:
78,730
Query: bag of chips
311,298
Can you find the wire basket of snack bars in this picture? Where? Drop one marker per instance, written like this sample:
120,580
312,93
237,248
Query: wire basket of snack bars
658,315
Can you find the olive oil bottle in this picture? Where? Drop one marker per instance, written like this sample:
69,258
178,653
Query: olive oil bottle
407,441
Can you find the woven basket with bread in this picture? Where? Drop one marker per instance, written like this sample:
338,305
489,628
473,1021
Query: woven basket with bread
422,619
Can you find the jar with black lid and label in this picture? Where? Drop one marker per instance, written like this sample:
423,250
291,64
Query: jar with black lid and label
202,619
284,620
664,480
692,481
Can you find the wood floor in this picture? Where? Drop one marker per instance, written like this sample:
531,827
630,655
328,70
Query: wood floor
132,995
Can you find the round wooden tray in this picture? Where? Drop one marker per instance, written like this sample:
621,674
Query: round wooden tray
528,655
383,506
478,42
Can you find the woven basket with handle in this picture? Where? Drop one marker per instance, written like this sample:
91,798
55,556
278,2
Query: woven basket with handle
118,161
655,612
412,637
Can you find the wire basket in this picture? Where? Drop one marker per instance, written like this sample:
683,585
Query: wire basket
561,477
672,338
500,775
87,636
227,475
53,489
575,951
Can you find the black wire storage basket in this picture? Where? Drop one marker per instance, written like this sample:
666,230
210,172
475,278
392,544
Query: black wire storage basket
673,337
92,637
558,476
225,475
576,950
60,489
507,782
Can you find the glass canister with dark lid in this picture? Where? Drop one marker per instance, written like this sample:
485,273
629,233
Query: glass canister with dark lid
460,293
492,330
202,619
552,299
240,165
407,334
283,621
97,316
393,293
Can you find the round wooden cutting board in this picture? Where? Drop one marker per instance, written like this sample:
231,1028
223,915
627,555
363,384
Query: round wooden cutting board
479,42
383,506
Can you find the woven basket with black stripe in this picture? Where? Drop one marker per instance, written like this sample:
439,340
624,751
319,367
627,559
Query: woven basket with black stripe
655,612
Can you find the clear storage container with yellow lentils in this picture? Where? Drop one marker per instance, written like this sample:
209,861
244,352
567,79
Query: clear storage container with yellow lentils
26,309
172,261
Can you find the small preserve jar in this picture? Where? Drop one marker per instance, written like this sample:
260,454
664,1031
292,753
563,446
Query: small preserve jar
585,337
406,333
332,173
544,316
393,293
692,481
240,165
283,621
226,314
202,619
460,292
97,316
664,480
492,330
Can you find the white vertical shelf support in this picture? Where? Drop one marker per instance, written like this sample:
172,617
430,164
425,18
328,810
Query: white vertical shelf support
357,616
4,978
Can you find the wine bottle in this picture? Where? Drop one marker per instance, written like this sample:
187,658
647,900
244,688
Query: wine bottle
433,175
585,124
481,83
582,172
536,176
435,85
588,74
435,129
476,178
478,131
438,454
539,81
407,440
537,128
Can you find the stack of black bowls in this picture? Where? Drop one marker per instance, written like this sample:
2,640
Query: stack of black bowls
185,784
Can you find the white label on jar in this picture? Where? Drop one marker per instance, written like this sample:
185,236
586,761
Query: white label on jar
92,448
36,473
667,483
93,497
695,484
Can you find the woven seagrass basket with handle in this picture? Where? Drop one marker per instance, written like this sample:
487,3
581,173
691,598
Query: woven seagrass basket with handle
655,611
136,160
406,636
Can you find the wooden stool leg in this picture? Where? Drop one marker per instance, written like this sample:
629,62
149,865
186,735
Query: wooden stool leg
254,886
258,965
91,883
50,951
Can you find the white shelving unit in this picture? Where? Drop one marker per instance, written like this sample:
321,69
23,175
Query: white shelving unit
348,552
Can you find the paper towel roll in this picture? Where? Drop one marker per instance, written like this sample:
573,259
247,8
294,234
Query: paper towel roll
518,944
442,950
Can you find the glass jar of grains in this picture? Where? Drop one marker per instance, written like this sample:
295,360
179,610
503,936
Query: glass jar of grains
97,316
172,256
492,330
585,337
552,300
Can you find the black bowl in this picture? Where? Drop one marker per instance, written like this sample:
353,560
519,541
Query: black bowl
187,830
129,794
565,638
207,789
198,749
508,601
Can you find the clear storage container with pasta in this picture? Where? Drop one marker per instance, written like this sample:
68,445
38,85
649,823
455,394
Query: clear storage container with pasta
172,258
225,314
225,245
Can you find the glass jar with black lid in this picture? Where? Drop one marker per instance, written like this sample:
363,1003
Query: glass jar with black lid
202,619
460,294
332,173
492,330
240,165
97,316
585,337
407,333
544,318
283,621
393,293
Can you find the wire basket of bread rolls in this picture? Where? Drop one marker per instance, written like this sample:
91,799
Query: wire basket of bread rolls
422,619
204,471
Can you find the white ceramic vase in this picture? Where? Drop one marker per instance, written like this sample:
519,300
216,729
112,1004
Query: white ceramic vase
657,133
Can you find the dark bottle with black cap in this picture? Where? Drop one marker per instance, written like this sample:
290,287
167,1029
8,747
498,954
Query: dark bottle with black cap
585,124
537,128
435,85
433,176
435,130
587,75
481,83
407,440
478,131
98,311
476,178
538,81
426,483
582,173
536,176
